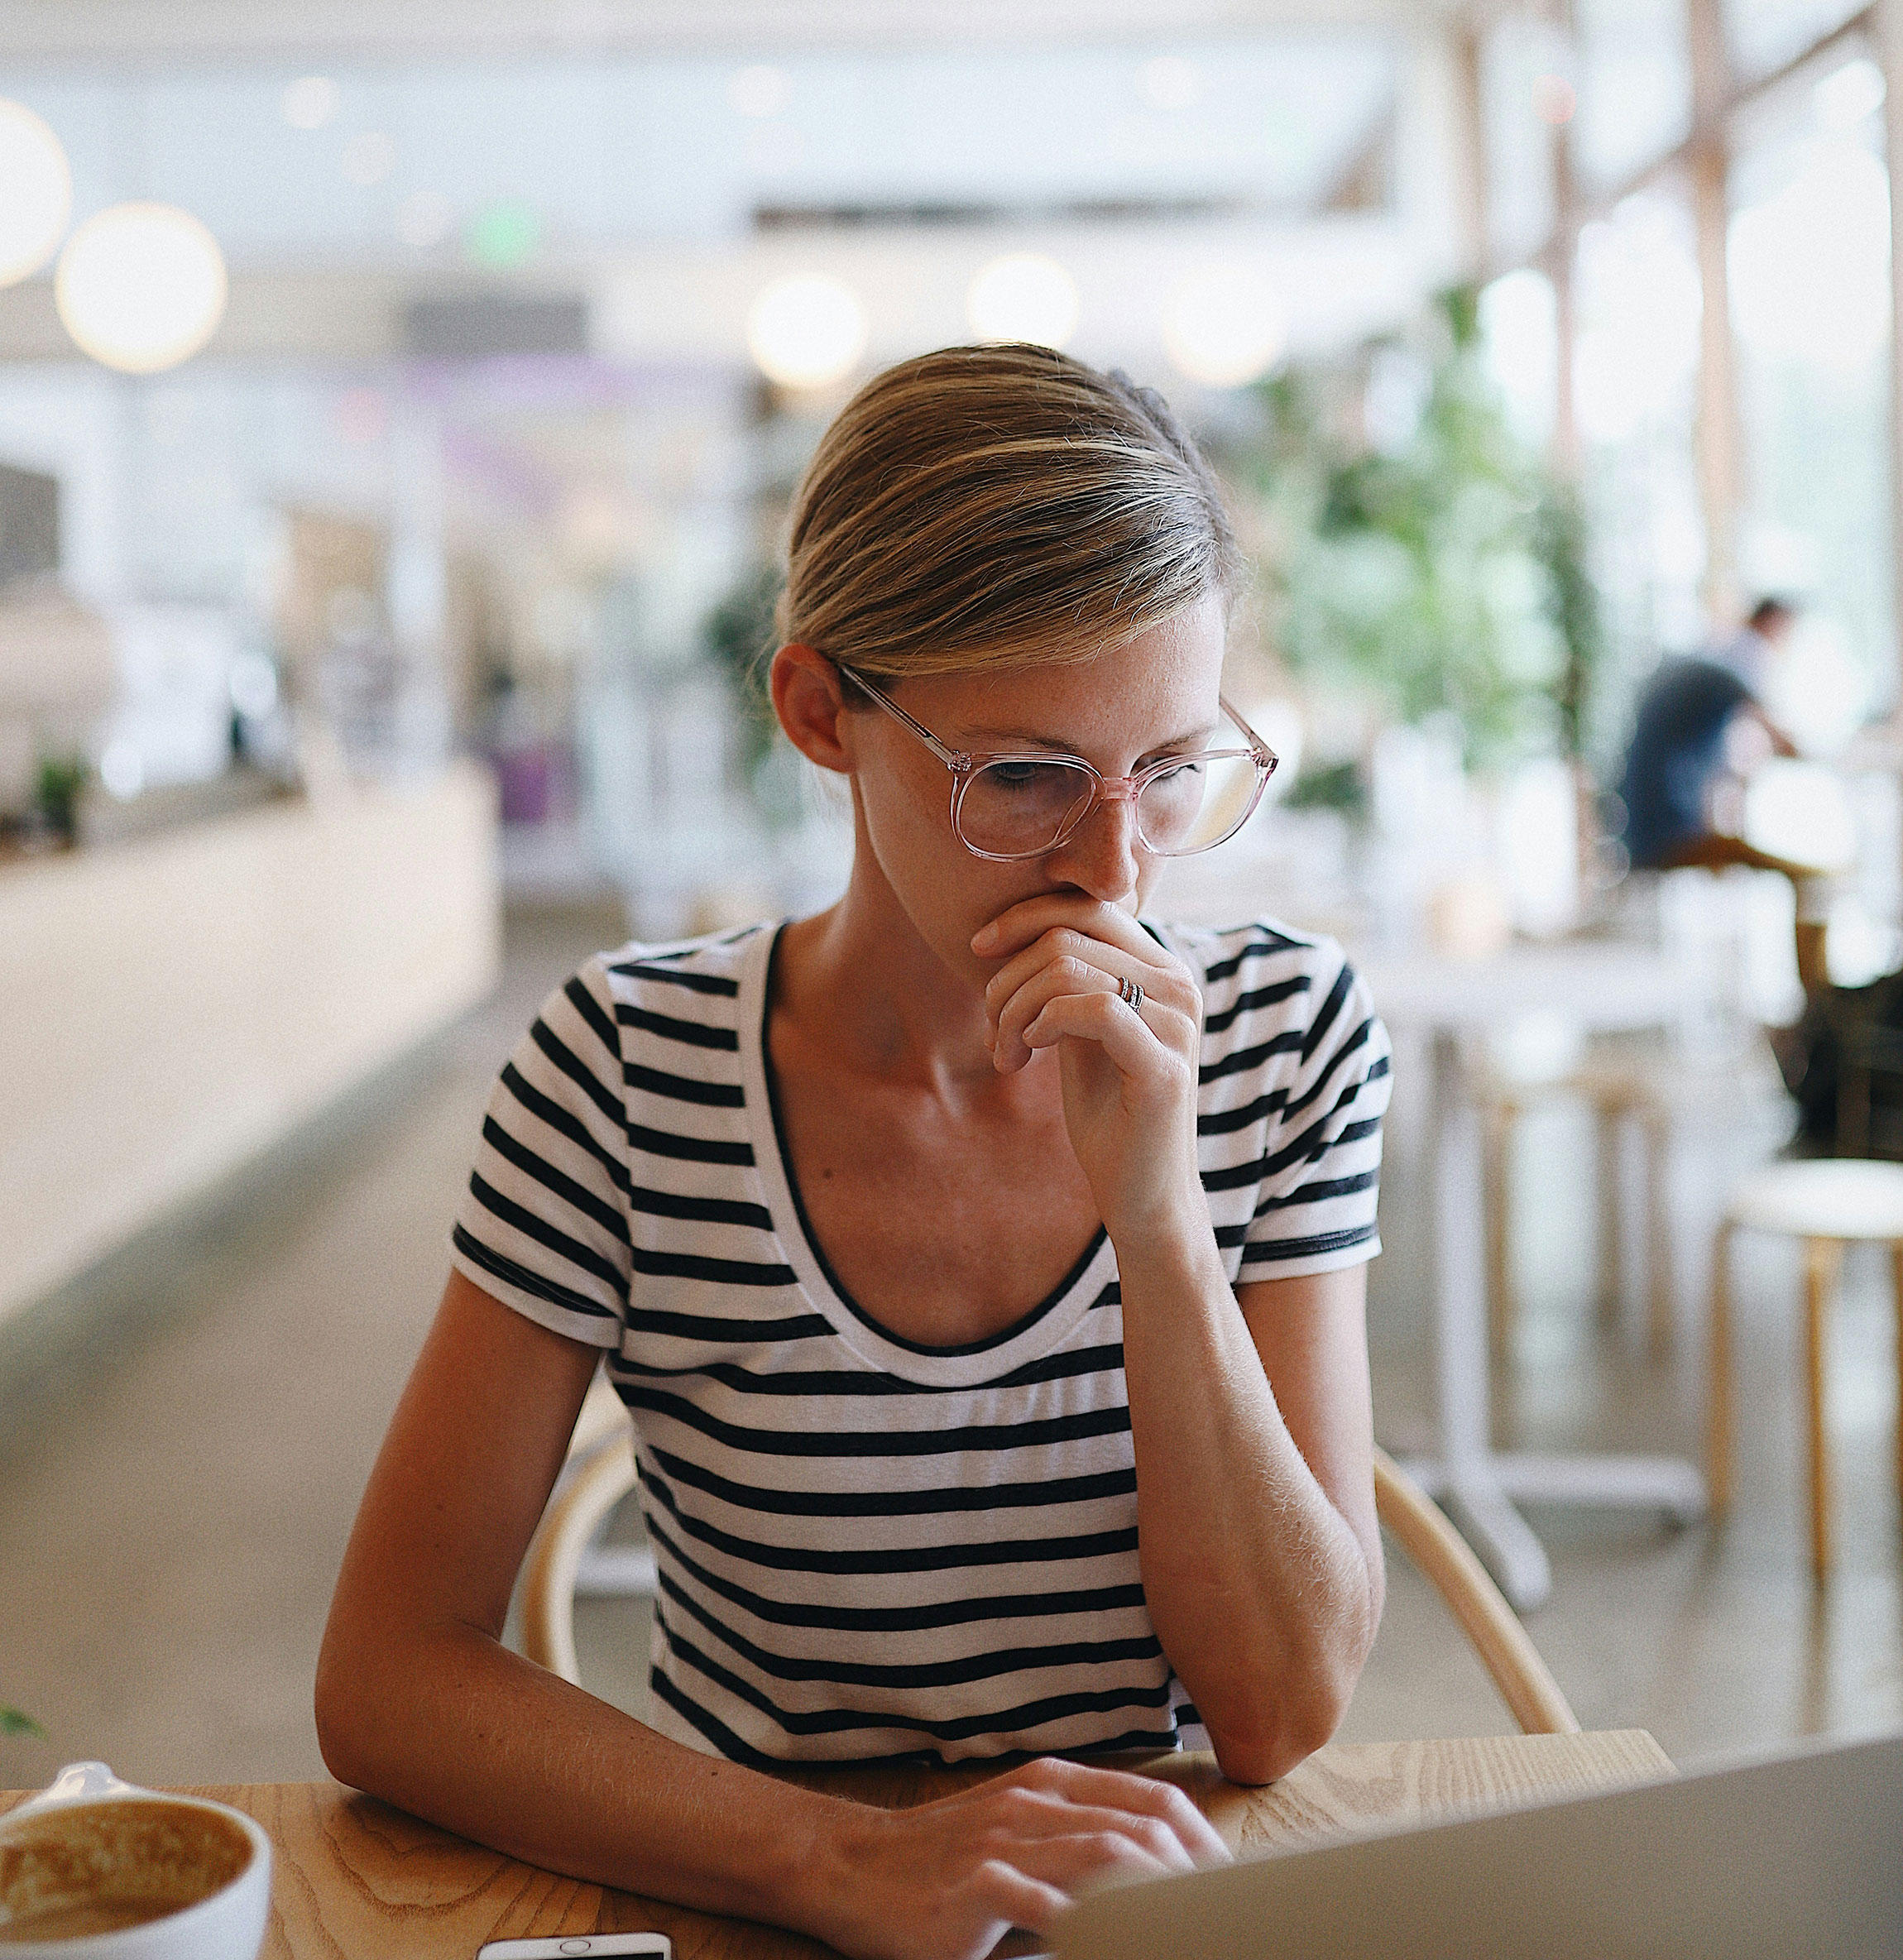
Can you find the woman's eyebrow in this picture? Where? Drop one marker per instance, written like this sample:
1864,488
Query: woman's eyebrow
1198,738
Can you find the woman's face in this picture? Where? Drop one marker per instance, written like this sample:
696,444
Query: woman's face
1119,710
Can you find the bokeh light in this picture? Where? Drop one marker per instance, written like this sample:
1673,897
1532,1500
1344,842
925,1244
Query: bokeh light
1225,327
309,103
38,192
504,235
806,331
759,91
141,287
1023,296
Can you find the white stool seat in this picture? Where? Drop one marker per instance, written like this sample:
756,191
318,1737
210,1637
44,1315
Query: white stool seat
1831,1197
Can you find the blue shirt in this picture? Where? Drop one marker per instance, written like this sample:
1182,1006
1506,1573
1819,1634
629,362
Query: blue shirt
1677,746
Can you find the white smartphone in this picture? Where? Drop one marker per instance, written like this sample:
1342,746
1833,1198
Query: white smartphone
596,1946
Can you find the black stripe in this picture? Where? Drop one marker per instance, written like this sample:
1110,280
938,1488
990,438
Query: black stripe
1356,1133
958,1728
590,1009
565,1122
1221,1122
1351,1046
1316,1191
589,1203
709,1725
1314,1143
1218,1023
531,1225
708,1211
700,983
696,1034
916,1558
811,1382
643,1320
730,1746
698,1150
717,1273
1258,1251
684,1088
1330,1007
1288,1043
576,1070
916,1673
927,1617
896,1503
924,1442
533,1284
1271,942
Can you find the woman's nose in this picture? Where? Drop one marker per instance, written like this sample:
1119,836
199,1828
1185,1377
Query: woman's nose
1100,855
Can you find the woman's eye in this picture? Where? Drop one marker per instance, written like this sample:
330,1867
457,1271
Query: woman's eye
1020,775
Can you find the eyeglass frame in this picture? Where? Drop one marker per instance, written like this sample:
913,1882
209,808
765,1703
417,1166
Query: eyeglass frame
965,765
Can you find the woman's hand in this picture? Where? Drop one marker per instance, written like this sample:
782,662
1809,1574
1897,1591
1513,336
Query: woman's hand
1128,1074
945,1880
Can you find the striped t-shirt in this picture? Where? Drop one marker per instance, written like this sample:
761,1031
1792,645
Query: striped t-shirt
869,1548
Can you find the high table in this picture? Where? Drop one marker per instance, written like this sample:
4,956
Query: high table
1603,988
357,1880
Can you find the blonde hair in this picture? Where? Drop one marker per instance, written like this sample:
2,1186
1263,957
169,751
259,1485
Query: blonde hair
999,506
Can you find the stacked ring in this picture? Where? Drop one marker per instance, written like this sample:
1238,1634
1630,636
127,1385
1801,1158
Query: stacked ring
1130,992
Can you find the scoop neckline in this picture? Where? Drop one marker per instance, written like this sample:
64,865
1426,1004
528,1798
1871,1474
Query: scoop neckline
962,1364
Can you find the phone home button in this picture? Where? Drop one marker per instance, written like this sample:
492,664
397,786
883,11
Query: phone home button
576,1946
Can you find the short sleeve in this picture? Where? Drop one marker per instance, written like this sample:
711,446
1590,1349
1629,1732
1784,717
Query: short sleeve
1295,1079
544,1226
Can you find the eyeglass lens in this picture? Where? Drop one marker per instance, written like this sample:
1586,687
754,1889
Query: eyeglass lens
1020,808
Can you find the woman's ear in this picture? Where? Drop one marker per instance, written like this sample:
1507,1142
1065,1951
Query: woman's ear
810,698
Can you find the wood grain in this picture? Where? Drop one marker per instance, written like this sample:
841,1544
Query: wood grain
358,1881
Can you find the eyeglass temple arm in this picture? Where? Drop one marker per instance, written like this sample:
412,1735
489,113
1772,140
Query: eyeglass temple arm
1265,756
954,760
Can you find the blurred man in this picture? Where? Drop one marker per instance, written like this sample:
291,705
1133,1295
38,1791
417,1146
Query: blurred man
1690,715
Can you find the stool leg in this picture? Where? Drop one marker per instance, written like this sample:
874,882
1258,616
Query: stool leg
1822,1260
1718,1377
1611,1217
1896,1284
1496,1203
1658,1234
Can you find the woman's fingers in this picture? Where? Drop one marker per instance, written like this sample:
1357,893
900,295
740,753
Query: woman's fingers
1145,1796
1067,974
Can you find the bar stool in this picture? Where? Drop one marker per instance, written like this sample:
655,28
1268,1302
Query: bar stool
1826,1202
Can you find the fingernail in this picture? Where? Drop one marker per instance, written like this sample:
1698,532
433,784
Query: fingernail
983,937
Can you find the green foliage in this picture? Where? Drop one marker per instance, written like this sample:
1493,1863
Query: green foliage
12,1723
1333,786
739,634
1445,573
56,791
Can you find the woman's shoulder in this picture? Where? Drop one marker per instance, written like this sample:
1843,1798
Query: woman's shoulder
1264,977
649,971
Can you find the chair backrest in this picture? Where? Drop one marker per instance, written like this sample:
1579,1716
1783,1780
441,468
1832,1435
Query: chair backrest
603,1476
1505,1649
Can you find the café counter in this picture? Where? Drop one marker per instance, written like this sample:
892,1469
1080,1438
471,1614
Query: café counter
173,1005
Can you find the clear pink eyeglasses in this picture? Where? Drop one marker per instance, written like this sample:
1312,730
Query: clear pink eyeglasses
1020,806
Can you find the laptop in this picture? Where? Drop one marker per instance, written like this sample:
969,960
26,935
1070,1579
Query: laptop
1798,1856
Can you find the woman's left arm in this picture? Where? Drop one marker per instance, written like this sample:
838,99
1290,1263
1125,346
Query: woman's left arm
1255,1496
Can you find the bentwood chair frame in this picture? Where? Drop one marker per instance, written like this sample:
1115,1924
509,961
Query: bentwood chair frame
604,1477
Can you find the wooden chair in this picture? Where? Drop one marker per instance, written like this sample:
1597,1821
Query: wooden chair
1418,1526
1416,1523
1827,1202
563,1557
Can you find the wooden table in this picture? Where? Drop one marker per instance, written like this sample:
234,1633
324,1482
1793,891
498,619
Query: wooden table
357,1880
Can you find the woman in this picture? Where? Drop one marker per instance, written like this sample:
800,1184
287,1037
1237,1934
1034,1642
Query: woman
983,1267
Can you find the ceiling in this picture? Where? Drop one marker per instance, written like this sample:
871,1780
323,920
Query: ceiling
153,31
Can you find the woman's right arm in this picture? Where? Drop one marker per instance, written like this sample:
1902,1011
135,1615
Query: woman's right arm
420,1703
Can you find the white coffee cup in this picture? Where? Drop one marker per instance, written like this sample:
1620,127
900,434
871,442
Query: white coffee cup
95,1868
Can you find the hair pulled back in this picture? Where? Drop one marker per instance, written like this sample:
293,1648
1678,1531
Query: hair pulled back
999,506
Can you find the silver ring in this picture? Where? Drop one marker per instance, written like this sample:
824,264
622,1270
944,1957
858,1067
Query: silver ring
1130,992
